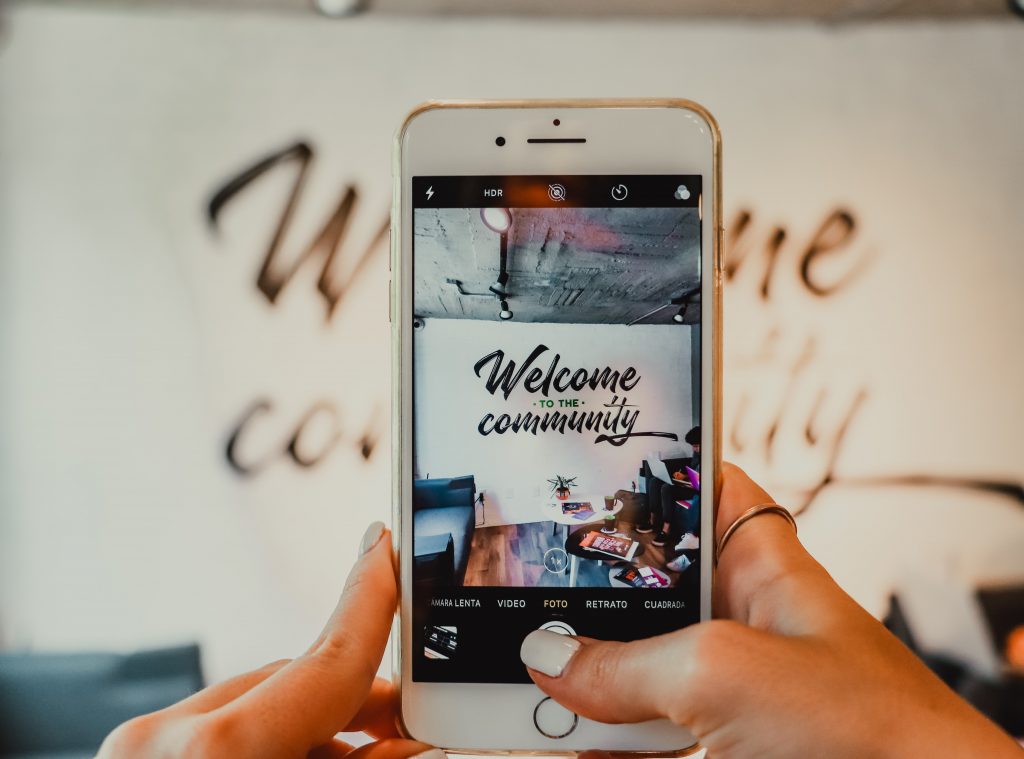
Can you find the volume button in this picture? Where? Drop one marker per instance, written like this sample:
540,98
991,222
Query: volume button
720,248
391,296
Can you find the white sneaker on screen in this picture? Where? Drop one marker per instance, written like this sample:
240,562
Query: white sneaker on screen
689,541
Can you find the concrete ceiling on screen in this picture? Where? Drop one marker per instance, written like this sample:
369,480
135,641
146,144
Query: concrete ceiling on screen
565,265
822,10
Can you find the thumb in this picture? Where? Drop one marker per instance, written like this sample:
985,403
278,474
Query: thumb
314,696
676,675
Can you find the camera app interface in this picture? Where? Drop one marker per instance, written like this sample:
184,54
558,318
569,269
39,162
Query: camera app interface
556,414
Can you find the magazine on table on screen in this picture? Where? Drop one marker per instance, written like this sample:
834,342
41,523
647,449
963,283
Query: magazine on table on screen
618,545
640,577
578,509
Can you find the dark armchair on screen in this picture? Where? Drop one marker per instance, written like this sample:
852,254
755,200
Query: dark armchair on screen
443,507
62,706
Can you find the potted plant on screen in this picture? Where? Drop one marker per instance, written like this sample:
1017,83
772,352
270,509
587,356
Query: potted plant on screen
560,485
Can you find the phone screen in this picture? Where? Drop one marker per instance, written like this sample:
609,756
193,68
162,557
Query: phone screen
556,414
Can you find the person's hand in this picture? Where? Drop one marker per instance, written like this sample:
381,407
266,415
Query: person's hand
294,708
797,669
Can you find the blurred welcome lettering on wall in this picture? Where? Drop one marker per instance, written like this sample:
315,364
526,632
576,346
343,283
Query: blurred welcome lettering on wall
338,274
824,262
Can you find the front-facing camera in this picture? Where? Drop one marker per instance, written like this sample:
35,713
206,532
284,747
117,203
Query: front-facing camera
500,141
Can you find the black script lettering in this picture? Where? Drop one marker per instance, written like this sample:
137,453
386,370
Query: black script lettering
628,420
257,409
505,378
735,244
619,423
311,459
629,378
561,384
292,447
273,277
832,236
532,382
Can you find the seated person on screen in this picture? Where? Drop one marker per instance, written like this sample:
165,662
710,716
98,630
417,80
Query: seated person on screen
674,518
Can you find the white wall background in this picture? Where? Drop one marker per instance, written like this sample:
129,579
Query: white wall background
512,469
133,337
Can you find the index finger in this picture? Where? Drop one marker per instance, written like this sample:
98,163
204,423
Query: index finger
739,492
765,577
309,700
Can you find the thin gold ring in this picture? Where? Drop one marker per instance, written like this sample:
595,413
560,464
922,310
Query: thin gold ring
753,511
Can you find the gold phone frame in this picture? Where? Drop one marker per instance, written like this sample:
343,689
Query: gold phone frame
397,311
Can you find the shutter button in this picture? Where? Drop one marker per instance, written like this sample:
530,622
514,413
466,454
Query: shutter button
553,720
557,626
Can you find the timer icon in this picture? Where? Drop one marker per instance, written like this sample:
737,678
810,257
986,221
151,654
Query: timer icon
619,192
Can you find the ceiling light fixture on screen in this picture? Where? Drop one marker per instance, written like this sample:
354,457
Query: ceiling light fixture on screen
680,303
497,219
339,8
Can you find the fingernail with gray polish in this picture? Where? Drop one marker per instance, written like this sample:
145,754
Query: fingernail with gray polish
548,652
371,537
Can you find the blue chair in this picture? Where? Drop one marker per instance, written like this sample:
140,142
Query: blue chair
445,506
62,706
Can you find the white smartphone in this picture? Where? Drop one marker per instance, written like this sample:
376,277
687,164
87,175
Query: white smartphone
555,313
